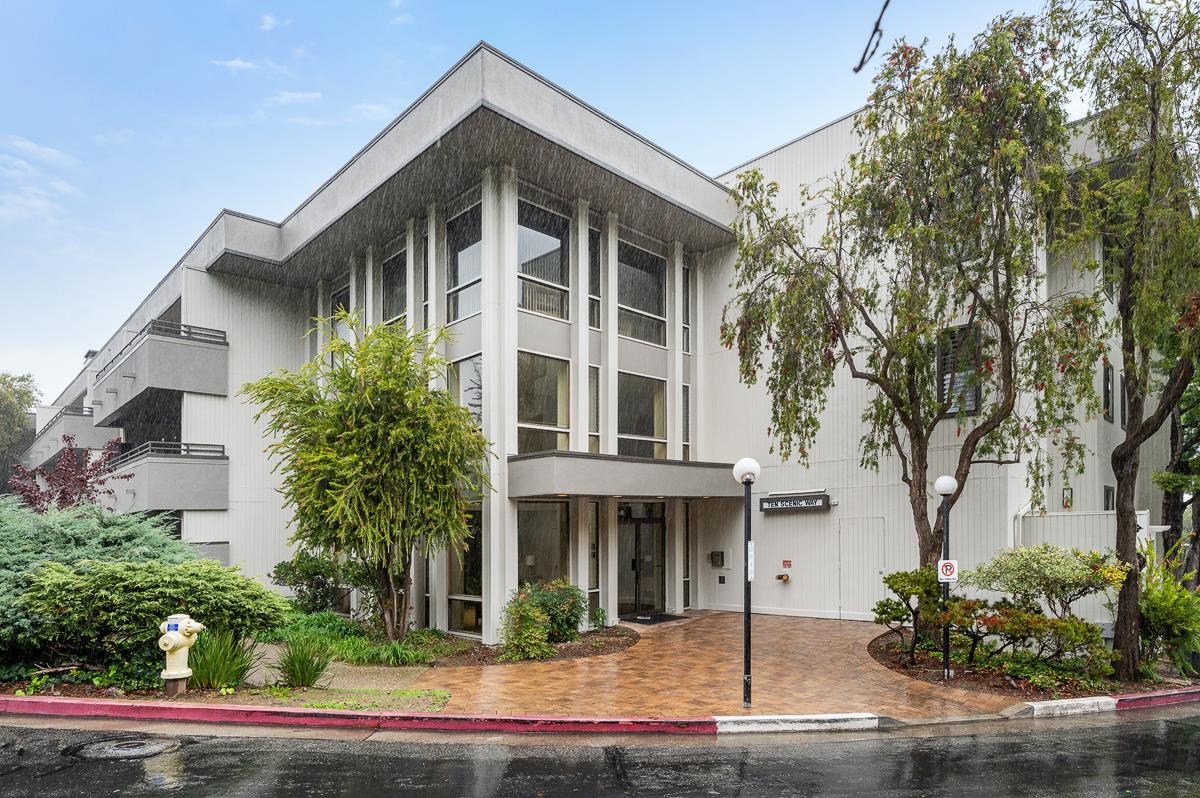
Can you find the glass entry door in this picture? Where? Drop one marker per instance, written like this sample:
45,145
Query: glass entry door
641,546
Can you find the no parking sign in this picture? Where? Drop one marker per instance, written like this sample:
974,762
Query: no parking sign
947,570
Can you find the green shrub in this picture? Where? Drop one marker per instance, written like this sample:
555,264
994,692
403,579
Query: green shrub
525,629
327,626
1068,640
565,606
28,539
102,611
917,594
219,660
315,579
302,662
1170,612
966,618
1046,575
598,619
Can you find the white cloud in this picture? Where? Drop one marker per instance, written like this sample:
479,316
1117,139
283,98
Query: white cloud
33,151
371,111
299,52
267,22
122,136
64,188
294,97
235,64
402,19
312,121
397,3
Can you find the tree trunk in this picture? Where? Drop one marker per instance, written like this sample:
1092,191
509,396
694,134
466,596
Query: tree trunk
1127,638
929,537
1172,501
405,594
388,581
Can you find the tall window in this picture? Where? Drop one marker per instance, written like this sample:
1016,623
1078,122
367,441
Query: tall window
641,416
641,295
1124,406
464,265
594,278
543,247
339,302
594,409
425,282
466,579
957,359
543,398
395,285
465,383
593,536
687,308
1108,391
687,555
686,421
543,541
1110,498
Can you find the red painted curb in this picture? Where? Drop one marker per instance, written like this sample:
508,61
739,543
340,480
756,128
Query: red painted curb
338,718
1158,698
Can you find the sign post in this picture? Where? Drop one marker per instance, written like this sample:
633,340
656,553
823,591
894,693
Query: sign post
947,569
746,471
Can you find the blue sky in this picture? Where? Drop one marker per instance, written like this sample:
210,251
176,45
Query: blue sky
125,127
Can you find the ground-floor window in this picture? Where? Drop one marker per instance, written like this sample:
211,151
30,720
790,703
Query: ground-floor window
543,541
466,580
593,579
687,555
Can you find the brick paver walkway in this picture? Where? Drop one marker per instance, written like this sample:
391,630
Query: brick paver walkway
694,667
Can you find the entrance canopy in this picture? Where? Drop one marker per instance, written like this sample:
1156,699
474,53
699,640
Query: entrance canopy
546,474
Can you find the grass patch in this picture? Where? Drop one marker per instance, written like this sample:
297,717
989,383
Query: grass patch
378,700
347,641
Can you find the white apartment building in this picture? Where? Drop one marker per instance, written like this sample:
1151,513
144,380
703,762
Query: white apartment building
582,272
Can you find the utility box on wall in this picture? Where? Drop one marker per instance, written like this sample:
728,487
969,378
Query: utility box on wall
716,559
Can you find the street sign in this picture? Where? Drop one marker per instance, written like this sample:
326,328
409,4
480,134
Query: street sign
750,561
794,503
947,570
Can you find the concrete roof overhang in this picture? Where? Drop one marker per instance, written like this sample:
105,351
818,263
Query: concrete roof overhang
486,111
548,474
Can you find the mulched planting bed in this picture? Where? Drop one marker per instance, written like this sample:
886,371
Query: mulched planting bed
598,642
887,651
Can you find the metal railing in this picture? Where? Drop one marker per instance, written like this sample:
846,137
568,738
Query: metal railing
66,411
171,329
168,449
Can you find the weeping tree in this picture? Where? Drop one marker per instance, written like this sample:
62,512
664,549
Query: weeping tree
1179,482
377,465
1139,65
918,271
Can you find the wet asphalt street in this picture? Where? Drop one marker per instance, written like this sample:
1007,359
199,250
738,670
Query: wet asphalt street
1156,755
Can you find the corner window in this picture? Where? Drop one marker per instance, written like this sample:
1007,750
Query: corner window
594,278
339,302
465,587
543,541
687,555
465,383
957,363
395,285
641,416
543,398
1108,392
641,295
464,265
543,244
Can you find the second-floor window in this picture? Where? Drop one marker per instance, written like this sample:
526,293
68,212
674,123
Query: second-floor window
687,308
464,265
641,416
543,403
465,383
543,244
394,279
641,295
594,278
957,361
686,422
594,409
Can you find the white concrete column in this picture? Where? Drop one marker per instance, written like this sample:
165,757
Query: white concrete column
608,348
373,282
356,294
675,351
579,542
322,312
609,558
499,363
412,295
675,554
439,583
699,358
435,271
579,328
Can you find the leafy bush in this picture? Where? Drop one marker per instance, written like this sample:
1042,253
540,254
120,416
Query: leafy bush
327,626
1043,638
102,611
525,630
598,619
1046,575
315,579
28,539
565,606
302,662
1170,612
219,660
966,618
917,593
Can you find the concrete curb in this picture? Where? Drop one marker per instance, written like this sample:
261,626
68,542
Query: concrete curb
848,721
1103,703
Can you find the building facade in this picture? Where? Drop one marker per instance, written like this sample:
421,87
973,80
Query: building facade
581,272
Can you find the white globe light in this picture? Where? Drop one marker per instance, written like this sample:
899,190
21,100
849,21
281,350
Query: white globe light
945,485
746,470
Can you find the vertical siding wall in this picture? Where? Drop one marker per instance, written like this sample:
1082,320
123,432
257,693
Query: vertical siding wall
266,325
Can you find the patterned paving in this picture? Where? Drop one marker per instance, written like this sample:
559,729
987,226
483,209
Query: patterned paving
694,667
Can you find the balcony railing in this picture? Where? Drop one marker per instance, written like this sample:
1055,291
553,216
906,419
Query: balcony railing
171,329
168,449
66,411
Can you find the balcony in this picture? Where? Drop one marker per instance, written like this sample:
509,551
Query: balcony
171,476
74,421
163,356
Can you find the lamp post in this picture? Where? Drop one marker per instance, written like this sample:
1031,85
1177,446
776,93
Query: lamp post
746,471
945,485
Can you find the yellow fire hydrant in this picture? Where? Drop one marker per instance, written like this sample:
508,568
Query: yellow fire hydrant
178,635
